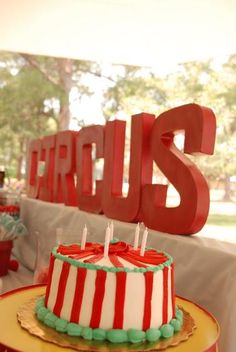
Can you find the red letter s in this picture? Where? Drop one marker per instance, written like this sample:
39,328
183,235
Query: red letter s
191,214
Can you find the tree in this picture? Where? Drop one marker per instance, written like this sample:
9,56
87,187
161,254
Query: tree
64,73
35,99
206,85
26,110
198,82
134,90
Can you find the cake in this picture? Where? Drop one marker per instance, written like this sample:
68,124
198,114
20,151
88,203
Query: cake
120,297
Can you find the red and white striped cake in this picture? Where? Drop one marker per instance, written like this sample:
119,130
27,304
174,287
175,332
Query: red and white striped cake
122,291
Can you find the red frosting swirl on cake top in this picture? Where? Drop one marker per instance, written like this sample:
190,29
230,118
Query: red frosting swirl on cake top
116,250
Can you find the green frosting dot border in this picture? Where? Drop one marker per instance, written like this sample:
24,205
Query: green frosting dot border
112,335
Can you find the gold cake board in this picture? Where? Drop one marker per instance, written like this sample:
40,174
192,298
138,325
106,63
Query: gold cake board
14,338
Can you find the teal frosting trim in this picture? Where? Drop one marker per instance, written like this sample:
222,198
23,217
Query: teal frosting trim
74,329
167,330
61,325
113,335
114,240
40,303
87,333
117,335
91,266
179,314
41,313
136,336
153,335
99,334
177,324
50,320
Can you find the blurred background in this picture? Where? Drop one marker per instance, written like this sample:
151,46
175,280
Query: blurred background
66,65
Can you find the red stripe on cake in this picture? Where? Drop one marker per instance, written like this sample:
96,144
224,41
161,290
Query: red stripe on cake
148,299
49,282
81,255
98,298
131,260
61,288
119,300
165,297
94,259
173,290
78,296
149,257
115,261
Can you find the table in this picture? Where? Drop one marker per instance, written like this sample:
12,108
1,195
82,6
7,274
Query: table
204,267
14,338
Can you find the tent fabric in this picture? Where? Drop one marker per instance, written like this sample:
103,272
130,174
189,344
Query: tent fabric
144,32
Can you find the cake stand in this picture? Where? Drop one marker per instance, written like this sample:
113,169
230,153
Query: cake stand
14,338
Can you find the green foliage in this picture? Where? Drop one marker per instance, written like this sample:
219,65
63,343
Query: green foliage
26,108
218,93
221,220
198,82
133,93
22,103
34,100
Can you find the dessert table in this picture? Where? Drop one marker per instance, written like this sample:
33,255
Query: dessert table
204,267
14,338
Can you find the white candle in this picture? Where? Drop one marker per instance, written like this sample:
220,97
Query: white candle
136,236
107,241
59,234
111,230
84,237
144,241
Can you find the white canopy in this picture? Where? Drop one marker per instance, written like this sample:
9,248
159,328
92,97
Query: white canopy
143,32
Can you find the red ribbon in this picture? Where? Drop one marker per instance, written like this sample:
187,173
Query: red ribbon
119,249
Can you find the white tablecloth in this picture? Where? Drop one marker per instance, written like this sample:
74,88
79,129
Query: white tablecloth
204,267
15,279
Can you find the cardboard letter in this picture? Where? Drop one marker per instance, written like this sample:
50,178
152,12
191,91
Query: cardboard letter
84,168
114,204
64,190
199,126
48,157
32,182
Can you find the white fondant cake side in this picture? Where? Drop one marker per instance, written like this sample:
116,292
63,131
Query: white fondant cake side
134,299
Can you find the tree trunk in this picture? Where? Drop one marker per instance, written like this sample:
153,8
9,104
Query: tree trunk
65,73
64,117
65,68
227,189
